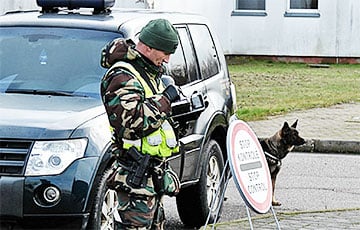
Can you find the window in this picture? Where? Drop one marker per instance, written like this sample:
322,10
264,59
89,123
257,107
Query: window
205,51
302,8
196,57
182,66
249,8
49,53
303,4
250,4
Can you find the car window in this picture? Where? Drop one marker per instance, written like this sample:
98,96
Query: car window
52,59
183,66
205,50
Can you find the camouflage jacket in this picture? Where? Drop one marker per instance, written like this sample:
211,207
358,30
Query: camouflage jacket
130,113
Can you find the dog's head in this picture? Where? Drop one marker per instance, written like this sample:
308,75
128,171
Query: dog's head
283,141
290,136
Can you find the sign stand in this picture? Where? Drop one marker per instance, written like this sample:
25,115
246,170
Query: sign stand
249,217
222,198
249,169
273,213
275,218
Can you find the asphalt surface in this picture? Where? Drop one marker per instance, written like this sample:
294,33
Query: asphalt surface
327,130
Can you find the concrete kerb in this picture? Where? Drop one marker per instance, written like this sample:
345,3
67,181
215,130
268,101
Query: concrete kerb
281,215
329,146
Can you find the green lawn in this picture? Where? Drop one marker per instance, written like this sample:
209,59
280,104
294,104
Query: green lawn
269,88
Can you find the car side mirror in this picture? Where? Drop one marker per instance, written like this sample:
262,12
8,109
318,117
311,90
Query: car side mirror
188,108
197,101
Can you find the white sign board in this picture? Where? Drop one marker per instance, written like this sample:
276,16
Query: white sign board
249,167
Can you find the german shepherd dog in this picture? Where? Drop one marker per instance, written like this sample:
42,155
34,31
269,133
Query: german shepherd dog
277,147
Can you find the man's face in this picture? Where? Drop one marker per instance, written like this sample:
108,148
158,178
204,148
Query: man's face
158,56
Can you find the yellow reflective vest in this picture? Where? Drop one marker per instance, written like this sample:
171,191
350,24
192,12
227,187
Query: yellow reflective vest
162,142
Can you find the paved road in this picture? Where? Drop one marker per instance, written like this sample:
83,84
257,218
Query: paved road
317,191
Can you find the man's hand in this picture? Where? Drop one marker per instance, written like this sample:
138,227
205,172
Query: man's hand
171,93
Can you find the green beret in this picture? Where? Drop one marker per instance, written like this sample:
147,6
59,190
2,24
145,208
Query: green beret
160,34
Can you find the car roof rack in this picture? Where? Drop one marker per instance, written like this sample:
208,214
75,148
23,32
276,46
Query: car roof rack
52,6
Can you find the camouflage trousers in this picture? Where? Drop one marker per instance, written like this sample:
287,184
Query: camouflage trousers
140,212
142,208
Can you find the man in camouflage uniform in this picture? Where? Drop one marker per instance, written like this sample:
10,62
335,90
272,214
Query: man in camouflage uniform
139,109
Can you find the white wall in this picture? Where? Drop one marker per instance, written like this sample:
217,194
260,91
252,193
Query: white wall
217,11
7,5
336,33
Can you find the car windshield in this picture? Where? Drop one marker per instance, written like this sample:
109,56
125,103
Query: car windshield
52,61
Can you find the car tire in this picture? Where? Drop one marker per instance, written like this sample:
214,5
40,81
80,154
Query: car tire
105,203
193,202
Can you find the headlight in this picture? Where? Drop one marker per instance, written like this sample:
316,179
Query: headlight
53,157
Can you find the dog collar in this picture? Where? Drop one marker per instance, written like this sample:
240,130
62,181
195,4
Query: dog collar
271,156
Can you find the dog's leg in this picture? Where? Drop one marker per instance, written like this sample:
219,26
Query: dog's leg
274,201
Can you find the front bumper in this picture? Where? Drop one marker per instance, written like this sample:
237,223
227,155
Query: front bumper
22,198
11,195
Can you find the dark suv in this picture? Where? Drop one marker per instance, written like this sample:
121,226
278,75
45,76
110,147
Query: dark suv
54,133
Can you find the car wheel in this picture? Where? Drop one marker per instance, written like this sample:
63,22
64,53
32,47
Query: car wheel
193,202
106,202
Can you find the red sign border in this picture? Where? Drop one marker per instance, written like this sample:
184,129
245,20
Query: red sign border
262,207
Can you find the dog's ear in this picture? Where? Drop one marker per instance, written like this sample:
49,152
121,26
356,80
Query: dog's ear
285,127
295,124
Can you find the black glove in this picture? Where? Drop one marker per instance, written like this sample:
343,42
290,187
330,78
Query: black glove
171,93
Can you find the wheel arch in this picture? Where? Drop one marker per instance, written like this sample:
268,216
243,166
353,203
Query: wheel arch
105,161
216,130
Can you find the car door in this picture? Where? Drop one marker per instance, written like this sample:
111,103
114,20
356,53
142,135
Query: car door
184,69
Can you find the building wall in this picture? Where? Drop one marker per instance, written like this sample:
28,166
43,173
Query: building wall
7,5
335,34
